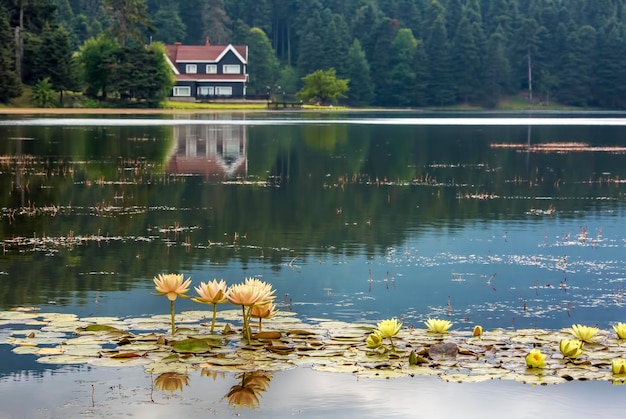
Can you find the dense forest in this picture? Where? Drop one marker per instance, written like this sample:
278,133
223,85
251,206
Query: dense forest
393,52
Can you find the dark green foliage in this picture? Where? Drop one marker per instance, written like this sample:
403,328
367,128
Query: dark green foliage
263,65
168,25
361,86
128,20
10,86
142,74
96,59
323,86
43,93
470,51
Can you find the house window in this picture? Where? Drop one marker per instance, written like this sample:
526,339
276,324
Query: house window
231,69
205,91
182,91
211,68
191,69
224,91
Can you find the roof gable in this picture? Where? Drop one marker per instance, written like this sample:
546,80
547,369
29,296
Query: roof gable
179,53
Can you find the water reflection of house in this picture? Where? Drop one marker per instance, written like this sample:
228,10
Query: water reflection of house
210,150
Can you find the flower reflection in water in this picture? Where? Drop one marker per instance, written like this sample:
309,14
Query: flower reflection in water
247,393
171,381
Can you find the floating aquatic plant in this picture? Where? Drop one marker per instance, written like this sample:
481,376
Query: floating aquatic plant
214,293
620,329
438,325
535,359
326,345
571,348
584,333
172,286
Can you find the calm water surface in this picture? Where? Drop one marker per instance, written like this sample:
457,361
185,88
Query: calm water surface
479,218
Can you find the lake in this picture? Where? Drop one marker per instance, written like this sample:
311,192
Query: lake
507,220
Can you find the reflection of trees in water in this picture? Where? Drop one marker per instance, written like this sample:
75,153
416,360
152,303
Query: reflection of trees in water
246,394
358,184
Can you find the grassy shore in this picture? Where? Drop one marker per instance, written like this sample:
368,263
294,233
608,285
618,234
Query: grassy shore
25,106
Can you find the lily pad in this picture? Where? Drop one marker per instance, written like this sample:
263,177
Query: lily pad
442,351
192,346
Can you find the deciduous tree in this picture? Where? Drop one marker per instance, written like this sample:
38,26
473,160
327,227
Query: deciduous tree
323,86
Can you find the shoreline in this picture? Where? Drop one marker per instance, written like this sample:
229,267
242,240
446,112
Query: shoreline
113,111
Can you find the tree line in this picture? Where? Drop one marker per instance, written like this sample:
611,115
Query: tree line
393,52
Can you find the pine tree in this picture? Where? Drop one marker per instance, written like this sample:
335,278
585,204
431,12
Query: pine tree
402,76
10,85
358,71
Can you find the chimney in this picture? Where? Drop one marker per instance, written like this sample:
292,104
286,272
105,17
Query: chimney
207,42
178,43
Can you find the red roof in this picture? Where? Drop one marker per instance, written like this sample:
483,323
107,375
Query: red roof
206,52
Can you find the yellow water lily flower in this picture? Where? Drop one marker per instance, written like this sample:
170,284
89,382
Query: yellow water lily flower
438,325
535,359
620,329
619,366
252,292
478,331
584,333
389,328
374,340
246,294
264,311
571,348
171,285
213,292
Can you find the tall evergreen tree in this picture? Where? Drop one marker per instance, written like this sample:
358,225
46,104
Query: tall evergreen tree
468,50
216,22
402,76
168,25
10,85
311,55
128,20
576,77
497,68
441,78
380,59
358,72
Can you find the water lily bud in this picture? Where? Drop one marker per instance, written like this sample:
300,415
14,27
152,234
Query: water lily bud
619,366
478,331
620,329
571,348
374,340
535,359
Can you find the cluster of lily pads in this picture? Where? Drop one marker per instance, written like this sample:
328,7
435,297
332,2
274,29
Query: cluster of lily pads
389,350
